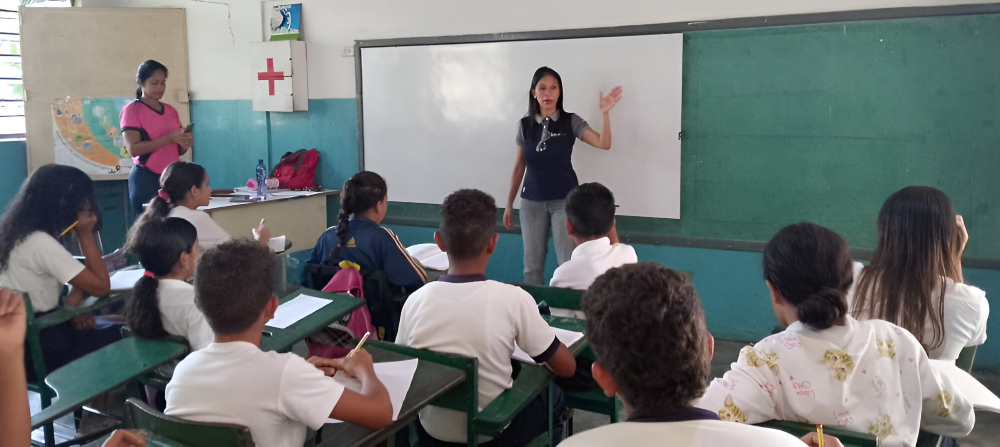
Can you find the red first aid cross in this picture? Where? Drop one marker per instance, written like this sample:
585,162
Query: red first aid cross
270,76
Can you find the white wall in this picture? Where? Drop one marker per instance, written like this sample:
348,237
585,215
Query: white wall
219,31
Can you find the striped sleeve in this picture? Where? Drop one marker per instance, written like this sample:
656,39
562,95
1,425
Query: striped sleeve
399,266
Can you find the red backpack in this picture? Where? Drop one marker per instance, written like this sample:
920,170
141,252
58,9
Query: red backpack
297,170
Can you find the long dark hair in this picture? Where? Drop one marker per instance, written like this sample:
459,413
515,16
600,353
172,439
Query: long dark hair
176,180
542,72
918,247
812,268
49,201
360,193
146,71
159,244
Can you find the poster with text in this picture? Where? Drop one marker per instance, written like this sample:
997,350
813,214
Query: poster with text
88,135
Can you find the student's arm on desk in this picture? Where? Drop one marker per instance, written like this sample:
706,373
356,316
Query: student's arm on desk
371,408
562,363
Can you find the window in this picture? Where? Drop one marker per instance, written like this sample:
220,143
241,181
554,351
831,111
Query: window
11,86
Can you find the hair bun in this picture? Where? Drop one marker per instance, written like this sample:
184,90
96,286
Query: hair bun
823,308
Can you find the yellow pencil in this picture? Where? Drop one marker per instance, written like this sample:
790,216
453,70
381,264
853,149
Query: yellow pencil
362,342
68,228
819,432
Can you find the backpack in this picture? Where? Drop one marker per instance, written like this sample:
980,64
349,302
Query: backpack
331,341
297,170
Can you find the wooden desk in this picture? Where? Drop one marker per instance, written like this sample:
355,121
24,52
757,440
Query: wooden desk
301,219
431,381
109,367
281,340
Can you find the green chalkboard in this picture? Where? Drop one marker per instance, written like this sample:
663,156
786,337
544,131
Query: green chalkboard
823,122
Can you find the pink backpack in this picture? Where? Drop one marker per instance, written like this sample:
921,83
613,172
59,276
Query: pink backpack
330,342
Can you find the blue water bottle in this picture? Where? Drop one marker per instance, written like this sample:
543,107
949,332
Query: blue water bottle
261,180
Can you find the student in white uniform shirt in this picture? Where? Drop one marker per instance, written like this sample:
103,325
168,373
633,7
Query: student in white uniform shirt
915,276
277,396
464,313
590,222
162,303
647,328
828,368
51,201
183,188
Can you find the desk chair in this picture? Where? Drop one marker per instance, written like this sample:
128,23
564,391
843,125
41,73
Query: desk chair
383,298
195,434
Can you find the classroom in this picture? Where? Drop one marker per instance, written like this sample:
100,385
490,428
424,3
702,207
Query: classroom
733,120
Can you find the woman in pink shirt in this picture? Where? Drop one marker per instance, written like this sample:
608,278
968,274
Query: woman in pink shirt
153,134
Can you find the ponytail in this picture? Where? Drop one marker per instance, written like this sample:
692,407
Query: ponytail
361,193
811,267
175,182
158,244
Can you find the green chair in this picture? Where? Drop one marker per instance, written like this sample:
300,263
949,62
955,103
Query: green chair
591,400
847,437
154,379
965,358
195,434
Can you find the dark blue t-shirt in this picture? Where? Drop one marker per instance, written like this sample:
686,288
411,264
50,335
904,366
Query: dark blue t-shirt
548,154
373,246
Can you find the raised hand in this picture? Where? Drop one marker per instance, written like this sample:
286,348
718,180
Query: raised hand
608,102
963,233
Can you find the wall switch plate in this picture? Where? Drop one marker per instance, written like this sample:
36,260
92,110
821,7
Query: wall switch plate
348,52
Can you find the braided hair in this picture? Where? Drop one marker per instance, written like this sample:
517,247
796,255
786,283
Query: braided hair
360,193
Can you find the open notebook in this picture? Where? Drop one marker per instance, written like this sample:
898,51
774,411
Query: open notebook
566,337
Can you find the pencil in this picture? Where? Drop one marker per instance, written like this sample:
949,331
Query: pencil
362,342
68,228
819,433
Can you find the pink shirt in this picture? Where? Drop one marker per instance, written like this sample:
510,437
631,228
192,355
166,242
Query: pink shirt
152,125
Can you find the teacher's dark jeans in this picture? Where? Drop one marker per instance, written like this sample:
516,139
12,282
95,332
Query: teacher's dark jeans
143,185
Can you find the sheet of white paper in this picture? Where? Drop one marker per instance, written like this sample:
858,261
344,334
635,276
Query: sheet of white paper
277,244
288,193
396,376
429,255
566,337
125,279
982,398
295,310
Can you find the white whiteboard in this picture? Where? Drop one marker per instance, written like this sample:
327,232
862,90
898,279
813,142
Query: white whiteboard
438,118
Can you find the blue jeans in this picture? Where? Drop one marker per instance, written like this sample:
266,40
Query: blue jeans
537,218
143,185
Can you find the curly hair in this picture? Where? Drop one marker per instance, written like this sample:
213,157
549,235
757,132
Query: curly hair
646,326
232,284
468,221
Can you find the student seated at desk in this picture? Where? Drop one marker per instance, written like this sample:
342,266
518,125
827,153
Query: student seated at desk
162,302
647,328
359,238
915,276
54,200
275,395
590,221
183,188
464,313
828,368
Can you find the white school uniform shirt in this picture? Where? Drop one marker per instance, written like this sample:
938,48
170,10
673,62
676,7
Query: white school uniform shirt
867,376
682,434
590,260
39,265
275,395
965,313
475,318
210,233
181,317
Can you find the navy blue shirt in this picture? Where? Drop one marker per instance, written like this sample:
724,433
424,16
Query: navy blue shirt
373,246
547,144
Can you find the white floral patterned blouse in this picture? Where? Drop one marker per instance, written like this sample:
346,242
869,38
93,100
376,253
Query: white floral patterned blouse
869,376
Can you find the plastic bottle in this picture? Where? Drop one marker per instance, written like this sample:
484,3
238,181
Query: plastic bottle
261,180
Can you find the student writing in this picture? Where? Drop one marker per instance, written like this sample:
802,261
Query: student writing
276,395
828,368
465,313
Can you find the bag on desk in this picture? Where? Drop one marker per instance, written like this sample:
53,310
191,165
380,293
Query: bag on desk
297,170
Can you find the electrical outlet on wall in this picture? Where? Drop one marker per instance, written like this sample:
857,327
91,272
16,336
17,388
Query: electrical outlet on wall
348,52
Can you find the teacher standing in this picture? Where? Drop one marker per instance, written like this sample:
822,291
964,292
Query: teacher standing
153,134
545,138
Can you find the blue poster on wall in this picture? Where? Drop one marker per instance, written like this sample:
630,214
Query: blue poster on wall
285,22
